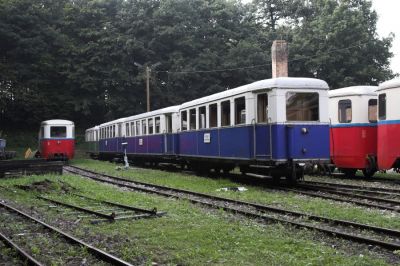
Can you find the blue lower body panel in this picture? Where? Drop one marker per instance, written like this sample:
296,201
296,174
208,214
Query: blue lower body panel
277,142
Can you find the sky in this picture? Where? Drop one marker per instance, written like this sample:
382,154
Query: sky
388,21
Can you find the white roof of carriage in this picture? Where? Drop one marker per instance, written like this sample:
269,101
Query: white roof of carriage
93,128
167,110
393,83
112,122
353,91
57,122
280,83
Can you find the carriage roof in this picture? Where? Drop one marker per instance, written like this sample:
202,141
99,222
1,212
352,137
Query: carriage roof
57,122
277,83
391,84
353,91
167,110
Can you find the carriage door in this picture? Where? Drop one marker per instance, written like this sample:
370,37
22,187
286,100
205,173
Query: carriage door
169,138
262,129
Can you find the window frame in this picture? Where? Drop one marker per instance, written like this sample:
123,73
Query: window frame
382,106
210,113
184,114
228,116
302,108
341,103
264,108
238,117
369,110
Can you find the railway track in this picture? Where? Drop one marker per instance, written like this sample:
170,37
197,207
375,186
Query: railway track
362,233
30,237
347,195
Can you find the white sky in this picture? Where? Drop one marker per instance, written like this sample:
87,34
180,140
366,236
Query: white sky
388,12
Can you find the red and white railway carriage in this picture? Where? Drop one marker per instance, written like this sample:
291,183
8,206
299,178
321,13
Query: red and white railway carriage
353,132
389,124
57,139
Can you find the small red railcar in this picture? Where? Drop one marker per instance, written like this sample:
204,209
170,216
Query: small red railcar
389,125
57,139
353,131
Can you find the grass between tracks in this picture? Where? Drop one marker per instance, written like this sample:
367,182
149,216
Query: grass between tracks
276,198
188,234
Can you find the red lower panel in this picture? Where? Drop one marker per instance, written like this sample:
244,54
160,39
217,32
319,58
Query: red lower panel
388,145
351,145
50,149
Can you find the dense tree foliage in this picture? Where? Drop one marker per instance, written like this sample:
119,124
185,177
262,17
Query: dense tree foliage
74,59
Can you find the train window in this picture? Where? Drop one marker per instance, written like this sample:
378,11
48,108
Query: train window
144,127
168,123
382,106
372,110
262,108
113,131
137,128
132,129
183,120
213,115
58,132
302,106
240,111
157,125
127,129
192,119
226,113
202,117
151,125
344,108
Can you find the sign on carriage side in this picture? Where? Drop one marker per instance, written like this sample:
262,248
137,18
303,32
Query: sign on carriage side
207,138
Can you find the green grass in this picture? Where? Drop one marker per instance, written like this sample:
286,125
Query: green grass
276,198
189,234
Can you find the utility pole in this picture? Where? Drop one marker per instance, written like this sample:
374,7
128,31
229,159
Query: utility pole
148,87
148,71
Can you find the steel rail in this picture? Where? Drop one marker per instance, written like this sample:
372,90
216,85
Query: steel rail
258,207
348,194
366,188
93,250
356,202
153,211
79,208
24,255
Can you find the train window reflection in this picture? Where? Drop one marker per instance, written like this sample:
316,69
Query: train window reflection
345,111
372,110
58,132
382,106
226,113
213,115
302,106
240,111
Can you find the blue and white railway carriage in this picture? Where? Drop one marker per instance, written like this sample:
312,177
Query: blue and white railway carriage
275,123
152,135
146,137
92,141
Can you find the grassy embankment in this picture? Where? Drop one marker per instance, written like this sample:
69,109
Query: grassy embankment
188,234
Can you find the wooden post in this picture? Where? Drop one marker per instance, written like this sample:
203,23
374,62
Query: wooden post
148,87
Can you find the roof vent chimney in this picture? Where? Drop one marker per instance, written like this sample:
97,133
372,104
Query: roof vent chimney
279,54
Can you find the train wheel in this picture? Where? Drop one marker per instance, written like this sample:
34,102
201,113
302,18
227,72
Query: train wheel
368,173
